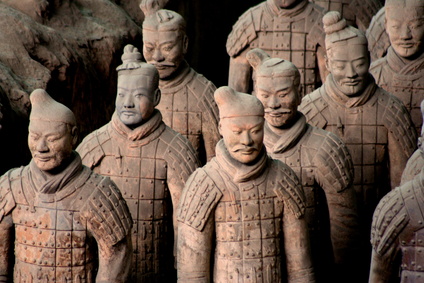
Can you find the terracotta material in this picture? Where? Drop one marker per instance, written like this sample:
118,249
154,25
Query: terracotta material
148,161
397,233
416,161
357,13
375,126
242,210
187,97
65,219
401,71
378,40
290,30
320,160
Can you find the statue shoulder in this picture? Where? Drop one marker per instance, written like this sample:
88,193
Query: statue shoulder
91,149
106,210
376,69
397,120
333,162
413,167
313,105
200,196
244,30
287,187
389,220
178,153
7,200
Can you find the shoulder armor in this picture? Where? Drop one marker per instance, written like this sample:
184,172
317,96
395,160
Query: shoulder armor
378,40
243,32
413,167
316,31
390,218
107,211
90,149
333,162
288,190
7,201
311,106
398,121
199,198
179,154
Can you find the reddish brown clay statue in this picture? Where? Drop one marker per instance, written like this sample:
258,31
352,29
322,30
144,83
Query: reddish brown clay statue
397,232
378,40
148,161
187,97
290,30
401,71
247,205
416,161
356,12
68,223
320,160
375,125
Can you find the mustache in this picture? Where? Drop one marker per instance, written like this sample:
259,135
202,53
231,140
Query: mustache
244,148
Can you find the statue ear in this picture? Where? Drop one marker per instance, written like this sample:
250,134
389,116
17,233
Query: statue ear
157,96
255,57
74,134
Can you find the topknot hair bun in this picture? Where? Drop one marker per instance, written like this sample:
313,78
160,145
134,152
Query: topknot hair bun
333,22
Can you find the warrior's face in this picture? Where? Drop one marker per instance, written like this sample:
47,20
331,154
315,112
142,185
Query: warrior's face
280,98
165,49
243,137
405,27
286,3
50,143
349,66
136,99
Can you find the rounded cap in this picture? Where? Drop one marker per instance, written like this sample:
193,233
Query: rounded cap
47,109
236,104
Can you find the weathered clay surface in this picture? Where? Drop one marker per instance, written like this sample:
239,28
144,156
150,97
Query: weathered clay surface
356,12
67,47
375,125
397,231
401,71
187,102
59,221
294,34
148,161
320,160
378,40
248,205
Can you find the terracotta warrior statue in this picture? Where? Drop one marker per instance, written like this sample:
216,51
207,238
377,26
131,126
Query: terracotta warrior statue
357,13
243,210
148,161
187,97
401,71
320,160
397,234
416,161
374,125
287,29
64,222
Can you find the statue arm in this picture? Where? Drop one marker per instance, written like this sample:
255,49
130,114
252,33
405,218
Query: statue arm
323,72
381,269
6,249
114,261
194,252
397,160
239,76
297,249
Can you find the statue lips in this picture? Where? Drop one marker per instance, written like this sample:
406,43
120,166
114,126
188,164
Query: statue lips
351,82
245,150
278,113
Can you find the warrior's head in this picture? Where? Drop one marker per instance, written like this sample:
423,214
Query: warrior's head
241,123
405,26
276,86
138,89
52,132
348,58
165,41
